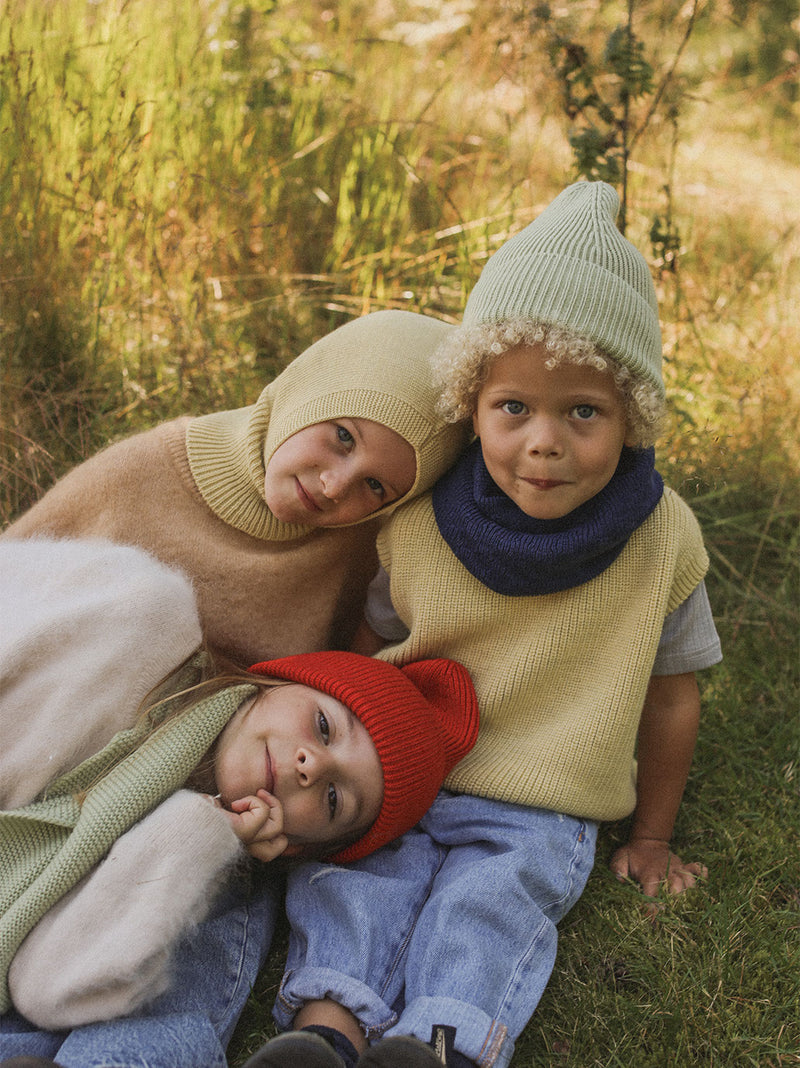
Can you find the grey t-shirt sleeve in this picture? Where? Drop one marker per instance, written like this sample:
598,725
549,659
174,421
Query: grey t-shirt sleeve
689,639
379,611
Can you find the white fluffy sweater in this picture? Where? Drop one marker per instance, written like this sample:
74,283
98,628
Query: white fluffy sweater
87,628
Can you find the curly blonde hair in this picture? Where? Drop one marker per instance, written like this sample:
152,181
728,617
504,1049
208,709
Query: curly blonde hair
462,362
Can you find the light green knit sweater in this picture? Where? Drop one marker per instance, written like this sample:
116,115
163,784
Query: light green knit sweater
49,845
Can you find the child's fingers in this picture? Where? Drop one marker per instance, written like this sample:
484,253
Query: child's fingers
653,867
269,799
262,803
682,876
261,817
248,817
269,849
624,866
619,865
275,810
257,820
649,883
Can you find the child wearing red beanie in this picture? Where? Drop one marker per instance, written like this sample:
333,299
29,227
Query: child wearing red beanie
109,860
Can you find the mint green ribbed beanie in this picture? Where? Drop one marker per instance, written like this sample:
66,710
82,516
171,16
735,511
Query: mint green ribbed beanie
572,267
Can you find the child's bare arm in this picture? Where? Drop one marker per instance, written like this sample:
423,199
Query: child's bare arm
258,823
667,735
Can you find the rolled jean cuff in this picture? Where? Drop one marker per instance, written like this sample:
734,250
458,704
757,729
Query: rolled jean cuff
301,985
480,1038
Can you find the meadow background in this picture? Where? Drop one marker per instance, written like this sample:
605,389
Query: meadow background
192,191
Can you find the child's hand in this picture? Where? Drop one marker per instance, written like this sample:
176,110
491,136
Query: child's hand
650,862
258,823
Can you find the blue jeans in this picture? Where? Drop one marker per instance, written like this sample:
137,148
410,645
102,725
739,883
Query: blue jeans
189,1025
453,924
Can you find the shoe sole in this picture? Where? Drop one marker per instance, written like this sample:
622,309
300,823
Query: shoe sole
296,1050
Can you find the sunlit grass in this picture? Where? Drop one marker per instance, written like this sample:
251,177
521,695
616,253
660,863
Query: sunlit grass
191,191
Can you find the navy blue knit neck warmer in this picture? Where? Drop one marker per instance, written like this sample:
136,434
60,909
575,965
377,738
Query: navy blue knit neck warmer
518,556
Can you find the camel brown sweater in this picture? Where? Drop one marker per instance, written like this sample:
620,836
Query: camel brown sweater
191,491
258,599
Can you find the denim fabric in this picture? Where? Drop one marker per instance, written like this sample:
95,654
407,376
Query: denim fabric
454,924
189,1025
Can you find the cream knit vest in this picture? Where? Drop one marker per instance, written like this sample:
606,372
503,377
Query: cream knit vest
561,678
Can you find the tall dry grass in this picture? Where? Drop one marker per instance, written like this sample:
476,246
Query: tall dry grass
191,191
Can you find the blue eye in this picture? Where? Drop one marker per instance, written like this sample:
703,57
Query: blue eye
344,435
584,411
333,800
324,728
513,407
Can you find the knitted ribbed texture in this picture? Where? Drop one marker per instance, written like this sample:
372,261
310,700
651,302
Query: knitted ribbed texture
572,267
258,598
376,367
422,720
48,846
518,555
561,678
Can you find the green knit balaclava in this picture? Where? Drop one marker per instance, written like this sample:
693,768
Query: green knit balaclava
376,367
572,267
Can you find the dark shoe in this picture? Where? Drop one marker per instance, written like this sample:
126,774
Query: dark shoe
28,1062
295,1049
401,1052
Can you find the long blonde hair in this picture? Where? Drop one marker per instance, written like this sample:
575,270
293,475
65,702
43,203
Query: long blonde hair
201,675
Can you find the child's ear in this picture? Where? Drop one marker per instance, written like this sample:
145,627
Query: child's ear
631,440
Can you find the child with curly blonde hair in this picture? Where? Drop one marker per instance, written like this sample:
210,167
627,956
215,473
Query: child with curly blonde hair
553,563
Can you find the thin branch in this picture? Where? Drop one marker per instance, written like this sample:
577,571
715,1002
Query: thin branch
667,76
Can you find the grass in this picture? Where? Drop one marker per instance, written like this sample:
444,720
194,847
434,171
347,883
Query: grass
715,979
191,191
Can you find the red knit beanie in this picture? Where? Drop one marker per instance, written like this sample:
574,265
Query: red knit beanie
422,718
